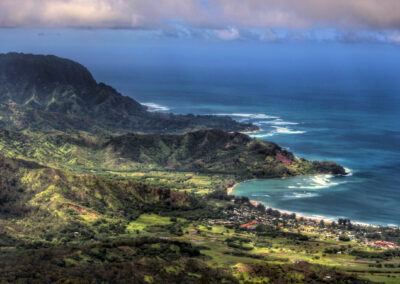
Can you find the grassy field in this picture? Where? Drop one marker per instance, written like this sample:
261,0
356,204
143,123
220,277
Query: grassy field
99,222
179,181
280,251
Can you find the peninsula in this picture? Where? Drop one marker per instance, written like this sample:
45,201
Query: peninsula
96,188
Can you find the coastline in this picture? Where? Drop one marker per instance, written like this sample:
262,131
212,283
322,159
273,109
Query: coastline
230,189
251,131
298,215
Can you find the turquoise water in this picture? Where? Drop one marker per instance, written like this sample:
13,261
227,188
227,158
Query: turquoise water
346,109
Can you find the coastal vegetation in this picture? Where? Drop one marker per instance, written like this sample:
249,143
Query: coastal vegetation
205,151
83,201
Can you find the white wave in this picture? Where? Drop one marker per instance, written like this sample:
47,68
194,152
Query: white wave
274,121
260,195
315,186
321,217
392,225
261,135
249,115
295,195
349,172
316,182
322,179
256,123
155,107
319,182
278,130
318,186
278,121
285,130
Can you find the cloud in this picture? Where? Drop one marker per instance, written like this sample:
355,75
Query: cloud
228,34
311,13
393,37
94,13
218,14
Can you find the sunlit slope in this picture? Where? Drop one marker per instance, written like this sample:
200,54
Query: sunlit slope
208,151
40,203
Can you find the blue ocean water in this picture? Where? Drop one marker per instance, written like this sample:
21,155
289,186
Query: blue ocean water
344,108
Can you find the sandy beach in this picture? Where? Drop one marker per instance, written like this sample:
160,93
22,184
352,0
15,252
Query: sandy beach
229,189
298,215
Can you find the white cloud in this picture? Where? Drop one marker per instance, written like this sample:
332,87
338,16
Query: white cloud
393,37
228,34
216,14
95,13
91,13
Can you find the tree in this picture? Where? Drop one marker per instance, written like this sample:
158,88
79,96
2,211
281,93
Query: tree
344,238
261,208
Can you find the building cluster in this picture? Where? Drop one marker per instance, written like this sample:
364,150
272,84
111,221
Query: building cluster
382,245
249,218
249,225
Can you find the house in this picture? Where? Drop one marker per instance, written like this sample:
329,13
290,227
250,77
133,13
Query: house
249,225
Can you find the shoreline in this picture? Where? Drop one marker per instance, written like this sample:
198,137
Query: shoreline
230,189
298,215
251,131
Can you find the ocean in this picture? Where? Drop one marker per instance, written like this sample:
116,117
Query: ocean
340,105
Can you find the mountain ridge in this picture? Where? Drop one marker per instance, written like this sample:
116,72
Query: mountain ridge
205,151
49,85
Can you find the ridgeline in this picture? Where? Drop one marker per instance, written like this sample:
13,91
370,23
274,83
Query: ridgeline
94,188
49,94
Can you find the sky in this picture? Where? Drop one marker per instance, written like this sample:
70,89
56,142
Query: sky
226,20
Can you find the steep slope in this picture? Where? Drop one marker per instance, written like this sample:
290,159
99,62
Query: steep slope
36,88
215,151
45,203
206,151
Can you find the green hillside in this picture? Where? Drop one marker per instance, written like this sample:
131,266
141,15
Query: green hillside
207,151
94,188
59,226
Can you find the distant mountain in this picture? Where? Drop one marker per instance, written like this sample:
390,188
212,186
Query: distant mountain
48,94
